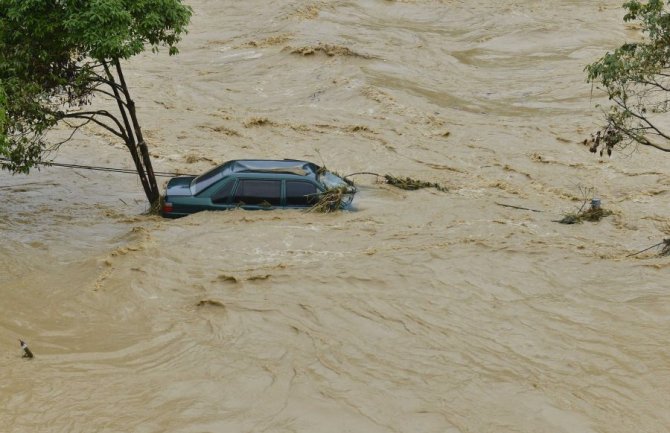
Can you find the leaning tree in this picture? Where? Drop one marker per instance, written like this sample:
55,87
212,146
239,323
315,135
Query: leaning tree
56,55
636,77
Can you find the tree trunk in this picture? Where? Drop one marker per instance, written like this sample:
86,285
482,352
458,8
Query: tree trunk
134,139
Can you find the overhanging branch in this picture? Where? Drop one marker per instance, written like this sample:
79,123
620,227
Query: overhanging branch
91,116
75,128
655,84
106,93
646,142
641,118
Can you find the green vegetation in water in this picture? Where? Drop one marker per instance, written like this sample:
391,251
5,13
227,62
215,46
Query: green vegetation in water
406,183
336,198
592,214
412,184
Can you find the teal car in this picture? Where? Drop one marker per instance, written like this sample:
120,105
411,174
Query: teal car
253,184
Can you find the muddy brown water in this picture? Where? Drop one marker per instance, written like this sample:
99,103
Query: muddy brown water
419,311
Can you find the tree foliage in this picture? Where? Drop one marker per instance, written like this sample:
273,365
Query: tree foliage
56,55
636,77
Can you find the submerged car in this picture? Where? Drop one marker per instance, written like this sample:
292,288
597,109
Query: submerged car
254,184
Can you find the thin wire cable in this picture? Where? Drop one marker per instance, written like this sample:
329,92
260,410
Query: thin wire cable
6,161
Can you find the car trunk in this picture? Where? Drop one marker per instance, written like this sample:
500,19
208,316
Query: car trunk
179,186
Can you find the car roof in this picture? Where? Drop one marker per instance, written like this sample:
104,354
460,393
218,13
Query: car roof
275,166
289,166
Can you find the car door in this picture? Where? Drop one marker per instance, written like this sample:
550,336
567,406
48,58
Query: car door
255,194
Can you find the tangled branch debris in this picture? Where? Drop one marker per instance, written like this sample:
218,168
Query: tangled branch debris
412,184
332,200
665,251
518,207
406,183
593,213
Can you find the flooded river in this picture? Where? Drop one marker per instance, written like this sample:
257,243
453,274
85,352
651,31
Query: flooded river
419,311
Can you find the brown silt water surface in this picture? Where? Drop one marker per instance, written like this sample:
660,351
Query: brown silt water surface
419,311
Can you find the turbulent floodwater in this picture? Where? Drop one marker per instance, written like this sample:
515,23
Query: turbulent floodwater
420,311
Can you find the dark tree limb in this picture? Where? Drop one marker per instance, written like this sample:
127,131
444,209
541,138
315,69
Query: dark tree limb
121,133
517,207
152,192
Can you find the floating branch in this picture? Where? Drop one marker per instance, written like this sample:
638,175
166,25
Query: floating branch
26,351
412,184
665,251
593,213
518,207
406,183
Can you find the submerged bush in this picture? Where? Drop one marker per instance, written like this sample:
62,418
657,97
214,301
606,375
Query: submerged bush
592,214
412,184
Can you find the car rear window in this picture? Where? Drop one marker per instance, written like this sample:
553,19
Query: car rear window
258,192
300,193
203,181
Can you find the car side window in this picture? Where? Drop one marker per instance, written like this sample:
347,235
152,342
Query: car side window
258,192
300,193
222,196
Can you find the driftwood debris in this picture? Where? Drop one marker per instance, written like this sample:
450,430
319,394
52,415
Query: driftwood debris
593,213
518,207
26,351
330,200
411,184
665,251
406,183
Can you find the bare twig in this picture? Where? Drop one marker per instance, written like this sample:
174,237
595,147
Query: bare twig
518,207
362,172
665,251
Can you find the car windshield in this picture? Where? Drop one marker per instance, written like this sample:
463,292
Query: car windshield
331,180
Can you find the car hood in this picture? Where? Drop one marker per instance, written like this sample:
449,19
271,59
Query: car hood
180,186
